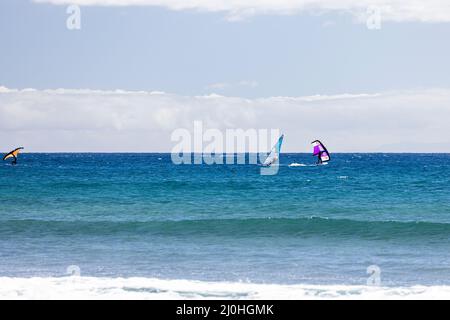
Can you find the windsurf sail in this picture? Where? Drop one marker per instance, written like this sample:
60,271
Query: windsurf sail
13,154
274,154
321,152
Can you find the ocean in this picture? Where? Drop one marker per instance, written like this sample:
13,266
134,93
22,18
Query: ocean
139,226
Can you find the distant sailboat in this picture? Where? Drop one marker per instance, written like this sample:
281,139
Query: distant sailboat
323,156
13,154
274,155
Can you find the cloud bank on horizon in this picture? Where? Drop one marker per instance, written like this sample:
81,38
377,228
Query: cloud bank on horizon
138,121
391,10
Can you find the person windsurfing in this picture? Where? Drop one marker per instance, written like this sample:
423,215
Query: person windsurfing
13,154
274,155
323,156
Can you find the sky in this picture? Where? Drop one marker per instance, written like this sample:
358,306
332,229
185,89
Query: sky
138,69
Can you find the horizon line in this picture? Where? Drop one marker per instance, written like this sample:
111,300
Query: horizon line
225,153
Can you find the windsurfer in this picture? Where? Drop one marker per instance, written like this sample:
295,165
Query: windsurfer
13,154
319,158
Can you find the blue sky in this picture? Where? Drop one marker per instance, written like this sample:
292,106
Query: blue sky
185,52
311,69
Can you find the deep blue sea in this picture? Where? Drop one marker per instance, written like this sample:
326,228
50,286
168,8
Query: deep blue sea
140,215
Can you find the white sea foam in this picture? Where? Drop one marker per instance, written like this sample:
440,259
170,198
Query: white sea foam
148,288
297,165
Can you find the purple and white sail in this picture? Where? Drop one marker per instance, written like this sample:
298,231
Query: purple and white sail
320,151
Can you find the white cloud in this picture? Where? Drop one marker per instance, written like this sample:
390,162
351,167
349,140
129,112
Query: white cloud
391,10
93,120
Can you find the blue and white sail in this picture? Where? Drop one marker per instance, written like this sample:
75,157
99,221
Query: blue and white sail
274,155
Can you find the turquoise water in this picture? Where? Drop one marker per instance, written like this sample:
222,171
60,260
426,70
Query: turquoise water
123,215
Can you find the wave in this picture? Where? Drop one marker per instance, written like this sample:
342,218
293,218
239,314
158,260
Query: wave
295,164
76,287
267,227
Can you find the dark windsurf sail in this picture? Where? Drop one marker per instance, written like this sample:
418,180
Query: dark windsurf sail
321,152
13,154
